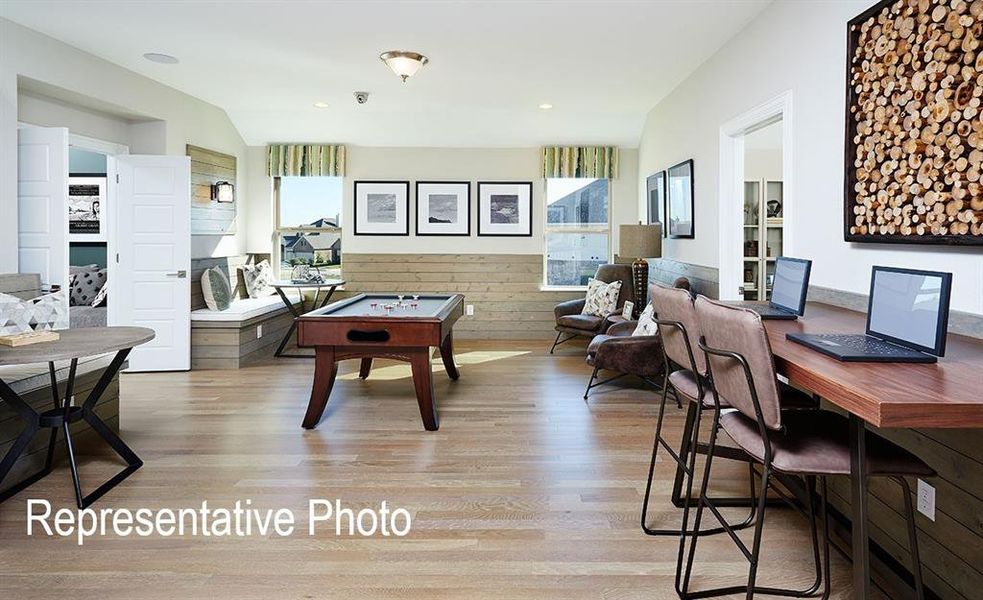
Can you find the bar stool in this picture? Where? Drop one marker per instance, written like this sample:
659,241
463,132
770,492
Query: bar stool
685,371
810,445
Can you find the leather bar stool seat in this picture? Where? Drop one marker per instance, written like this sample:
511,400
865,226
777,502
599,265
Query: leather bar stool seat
818,443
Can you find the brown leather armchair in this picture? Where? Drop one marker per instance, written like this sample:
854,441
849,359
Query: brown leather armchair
618,350
571,322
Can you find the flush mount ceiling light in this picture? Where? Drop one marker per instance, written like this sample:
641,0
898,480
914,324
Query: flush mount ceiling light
545,106
320,105
157,57
404,64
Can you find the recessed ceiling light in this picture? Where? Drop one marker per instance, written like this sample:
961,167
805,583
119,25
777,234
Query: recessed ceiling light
157,57
545,106
320,105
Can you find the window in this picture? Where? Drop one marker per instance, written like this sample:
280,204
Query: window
578,230
308,223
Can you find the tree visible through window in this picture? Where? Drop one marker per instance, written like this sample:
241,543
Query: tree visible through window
308,223
577,229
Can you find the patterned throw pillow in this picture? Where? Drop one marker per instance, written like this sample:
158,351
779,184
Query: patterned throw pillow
602,298
259,278
216,290
85,285
49,311
100,298
646,322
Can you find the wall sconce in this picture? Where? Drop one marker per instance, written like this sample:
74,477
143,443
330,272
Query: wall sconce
223,191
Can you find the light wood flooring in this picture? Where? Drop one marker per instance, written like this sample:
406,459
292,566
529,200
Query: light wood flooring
525,492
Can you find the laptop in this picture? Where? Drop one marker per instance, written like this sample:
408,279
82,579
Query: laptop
907,318
788,292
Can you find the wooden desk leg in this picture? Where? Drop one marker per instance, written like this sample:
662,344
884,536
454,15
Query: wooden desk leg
447,355
858,507
325,371
423,381
365,367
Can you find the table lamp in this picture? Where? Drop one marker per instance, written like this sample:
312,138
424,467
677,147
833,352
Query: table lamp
640,242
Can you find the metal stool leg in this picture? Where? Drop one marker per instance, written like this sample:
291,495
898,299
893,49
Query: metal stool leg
916,563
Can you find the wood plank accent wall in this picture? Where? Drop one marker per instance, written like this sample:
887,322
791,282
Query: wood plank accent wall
208,167
950,547
504,288
40,399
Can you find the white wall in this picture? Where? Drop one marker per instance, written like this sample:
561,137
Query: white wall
763,164
797,46
180,119
441,164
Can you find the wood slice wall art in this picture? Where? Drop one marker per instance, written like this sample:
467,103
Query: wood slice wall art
914,124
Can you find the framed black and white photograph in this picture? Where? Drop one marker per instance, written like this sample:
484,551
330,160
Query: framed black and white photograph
443,208
382,208
87,208
655,186
679,205
505,208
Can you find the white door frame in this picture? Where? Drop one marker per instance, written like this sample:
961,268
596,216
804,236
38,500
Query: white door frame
731,192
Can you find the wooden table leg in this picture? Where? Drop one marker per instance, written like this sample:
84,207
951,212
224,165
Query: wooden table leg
423,382
858,507
325,371
365,367
447,355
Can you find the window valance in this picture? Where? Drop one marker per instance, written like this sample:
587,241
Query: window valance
599,162
306,160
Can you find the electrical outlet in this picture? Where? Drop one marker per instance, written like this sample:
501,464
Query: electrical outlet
926,499
259,331
469,310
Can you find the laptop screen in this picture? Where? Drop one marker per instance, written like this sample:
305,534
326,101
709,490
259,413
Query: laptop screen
910,307
791,283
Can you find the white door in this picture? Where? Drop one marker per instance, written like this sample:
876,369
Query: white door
153,257
42,204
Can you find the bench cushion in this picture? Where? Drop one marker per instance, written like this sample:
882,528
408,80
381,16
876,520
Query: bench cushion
240,310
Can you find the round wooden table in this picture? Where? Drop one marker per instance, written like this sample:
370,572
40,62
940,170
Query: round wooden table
72,345
300,286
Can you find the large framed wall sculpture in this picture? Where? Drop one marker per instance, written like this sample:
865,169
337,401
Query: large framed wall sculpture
914,126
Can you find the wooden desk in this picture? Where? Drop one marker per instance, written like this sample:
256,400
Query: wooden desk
946,394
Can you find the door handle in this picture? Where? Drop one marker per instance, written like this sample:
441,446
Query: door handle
180,274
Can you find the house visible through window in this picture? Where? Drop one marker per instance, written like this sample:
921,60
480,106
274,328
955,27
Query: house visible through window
577,230
308,223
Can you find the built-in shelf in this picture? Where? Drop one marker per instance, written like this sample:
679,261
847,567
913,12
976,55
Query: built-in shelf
763,235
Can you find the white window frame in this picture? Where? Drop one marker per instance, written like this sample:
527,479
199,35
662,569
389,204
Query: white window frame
279,231
547,230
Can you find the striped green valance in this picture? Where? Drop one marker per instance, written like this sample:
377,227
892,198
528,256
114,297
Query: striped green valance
306,160
600,162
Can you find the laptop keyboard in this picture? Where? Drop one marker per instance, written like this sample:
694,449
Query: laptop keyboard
863,344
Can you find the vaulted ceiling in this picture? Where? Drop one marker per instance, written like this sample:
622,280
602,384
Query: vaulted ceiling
602,64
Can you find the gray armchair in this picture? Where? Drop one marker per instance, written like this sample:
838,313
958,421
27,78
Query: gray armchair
570,321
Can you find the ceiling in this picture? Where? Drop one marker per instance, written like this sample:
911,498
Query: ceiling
602,64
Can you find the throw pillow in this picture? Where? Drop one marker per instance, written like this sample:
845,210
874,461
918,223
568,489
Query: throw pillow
100,298
49,311
259,279
602,298
215,288
85,285
646,322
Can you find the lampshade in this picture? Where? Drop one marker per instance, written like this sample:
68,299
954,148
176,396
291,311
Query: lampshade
404,64
640,241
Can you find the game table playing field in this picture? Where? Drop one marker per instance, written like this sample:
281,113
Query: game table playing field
370,326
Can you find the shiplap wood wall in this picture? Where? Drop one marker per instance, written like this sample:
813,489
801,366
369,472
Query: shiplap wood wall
208,167
504,288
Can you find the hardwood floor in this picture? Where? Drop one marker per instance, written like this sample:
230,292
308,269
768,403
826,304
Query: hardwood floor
524,492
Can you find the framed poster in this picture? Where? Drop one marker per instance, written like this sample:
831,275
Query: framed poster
443,208
679,205
656,191
87,208
382,208
505,208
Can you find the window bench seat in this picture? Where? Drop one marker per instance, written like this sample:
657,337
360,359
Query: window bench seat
230,339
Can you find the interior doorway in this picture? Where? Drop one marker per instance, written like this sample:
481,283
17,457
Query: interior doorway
756,198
